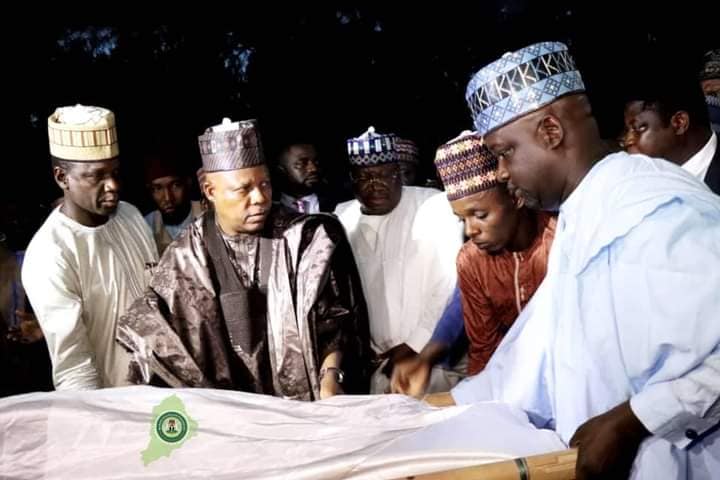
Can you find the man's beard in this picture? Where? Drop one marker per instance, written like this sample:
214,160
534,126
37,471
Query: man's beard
176,217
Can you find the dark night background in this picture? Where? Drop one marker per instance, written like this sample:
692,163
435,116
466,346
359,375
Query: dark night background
310,71
306,72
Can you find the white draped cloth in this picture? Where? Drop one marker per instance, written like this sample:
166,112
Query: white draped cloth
100,435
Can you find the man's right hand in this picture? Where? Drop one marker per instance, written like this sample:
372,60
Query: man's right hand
410,376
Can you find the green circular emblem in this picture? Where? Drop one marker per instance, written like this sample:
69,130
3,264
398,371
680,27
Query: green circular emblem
171,427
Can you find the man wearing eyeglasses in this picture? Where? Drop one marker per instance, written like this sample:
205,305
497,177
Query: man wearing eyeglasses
405,241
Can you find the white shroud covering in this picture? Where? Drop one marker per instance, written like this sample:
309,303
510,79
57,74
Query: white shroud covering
100,435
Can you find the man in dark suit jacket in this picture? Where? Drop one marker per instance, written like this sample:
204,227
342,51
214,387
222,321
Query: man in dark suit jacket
666,117
303,187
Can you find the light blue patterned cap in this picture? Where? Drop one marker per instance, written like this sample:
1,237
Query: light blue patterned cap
520,83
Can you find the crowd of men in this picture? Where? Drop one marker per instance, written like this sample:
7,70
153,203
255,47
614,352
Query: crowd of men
572,279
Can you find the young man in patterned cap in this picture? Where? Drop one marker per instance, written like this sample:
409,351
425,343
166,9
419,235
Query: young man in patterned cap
619,349
91,257
666,117
405,240
251,297
499,267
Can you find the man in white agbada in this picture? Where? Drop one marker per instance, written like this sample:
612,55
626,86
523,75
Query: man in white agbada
405,240
618,350
92,256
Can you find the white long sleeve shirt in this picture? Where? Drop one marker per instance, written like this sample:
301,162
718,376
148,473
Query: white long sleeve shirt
79,281
629,310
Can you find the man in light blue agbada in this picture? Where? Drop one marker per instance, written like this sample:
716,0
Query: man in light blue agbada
618,350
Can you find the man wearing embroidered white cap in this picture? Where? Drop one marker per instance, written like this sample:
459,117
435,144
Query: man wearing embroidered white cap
619,349
251,296
405,240
91,258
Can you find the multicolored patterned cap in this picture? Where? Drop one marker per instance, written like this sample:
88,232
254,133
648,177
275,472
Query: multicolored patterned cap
466,166
407,150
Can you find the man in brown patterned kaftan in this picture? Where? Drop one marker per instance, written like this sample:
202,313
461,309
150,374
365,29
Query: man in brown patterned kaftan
252,296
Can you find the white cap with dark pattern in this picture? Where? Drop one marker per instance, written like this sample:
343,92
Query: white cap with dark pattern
371,149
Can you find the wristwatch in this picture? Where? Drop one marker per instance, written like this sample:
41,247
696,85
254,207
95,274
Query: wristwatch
339,374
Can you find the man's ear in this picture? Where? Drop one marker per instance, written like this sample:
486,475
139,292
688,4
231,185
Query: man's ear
680,122
208,189
60,176
550,132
